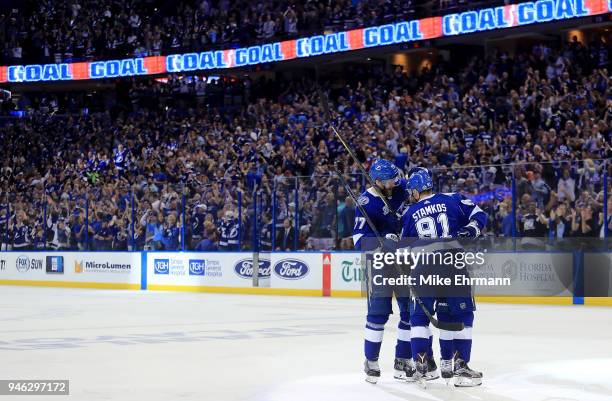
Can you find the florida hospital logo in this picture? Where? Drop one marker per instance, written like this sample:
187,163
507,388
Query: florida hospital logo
291,269
244,268
510,270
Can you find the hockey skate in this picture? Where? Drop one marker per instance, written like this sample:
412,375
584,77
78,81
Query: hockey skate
446,370
372,371
432,370
404,369
421,367
464,376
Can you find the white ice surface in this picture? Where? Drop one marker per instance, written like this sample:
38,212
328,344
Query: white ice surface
133,345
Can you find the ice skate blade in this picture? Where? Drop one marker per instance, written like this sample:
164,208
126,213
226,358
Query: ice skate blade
467,382
399,375
371,379
431,377
422,383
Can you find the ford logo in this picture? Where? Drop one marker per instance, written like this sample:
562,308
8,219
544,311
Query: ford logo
291,269
244,268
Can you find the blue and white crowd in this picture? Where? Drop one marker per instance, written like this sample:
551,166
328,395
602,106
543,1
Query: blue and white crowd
194,165
77,30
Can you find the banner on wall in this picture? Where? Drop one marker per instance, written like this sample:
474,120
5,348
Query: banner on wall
529,274
347,273
295,270
99,267
485,19
217,269
598,274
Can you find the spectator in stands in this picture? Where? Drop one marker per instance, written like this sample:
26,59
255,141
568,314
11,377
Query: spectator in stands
346,221
153,223
285,237
171,233
209,242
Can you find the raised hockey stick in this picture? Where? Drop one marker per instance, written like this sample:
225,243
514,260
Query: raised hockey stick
449,326
363,212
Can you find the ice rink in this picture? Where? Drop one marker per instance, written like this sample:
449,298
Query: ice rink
144,345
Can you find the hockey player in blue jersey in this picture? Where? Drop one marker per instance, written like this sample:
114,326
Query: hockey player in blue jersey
437,219
390,185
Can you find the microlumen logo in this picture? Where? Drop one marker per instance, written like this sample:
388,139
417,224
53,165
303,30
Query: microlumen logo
97,267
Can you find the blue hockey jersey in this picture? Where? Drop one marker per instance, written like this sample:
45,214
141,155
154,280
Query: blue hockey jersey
385,220
230,231
441,216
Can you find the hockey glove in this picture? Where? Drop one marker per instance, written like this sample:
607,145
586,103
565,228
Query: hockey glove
469,231
390,243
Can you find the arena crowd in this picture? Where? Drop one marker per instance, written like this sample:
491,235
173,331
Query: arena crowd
192,164
76,30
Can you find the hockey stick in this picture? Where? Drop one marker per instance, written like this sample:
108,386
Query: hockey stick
448,326
365,215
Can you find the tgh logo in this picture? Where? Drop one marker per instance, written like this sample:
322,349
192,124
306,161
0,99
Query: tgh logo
291,269
244,268
197,267
161,266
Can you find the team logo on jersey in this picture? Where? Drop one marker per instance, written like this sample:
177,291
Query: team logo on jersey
363,200
291,269
386,210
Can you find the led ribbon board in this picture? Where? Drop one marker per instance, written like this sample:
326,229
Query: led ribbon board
486,19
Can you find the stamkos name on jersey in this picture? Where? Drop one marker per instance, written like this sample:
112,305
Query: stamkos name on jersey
429,209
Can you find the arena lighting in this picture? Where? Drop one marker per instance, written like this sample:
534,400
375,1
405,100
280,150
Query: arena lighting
486,19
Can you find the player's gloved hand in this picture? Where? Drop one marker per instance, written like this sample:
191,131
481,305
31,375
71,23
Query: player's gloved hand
390,243
469,231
